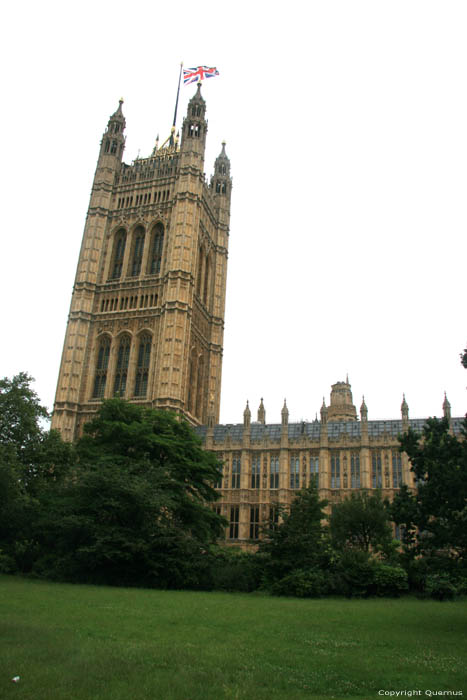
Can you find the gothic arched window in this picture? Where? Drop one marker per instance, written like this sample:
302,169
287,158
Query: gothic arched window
137,251
102,363
119,252
142,365
199,388
191,378
156,250
121,371
199,279
207,279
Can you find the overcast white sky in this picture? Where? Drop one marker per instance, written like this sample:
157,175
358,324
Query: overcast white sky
346,126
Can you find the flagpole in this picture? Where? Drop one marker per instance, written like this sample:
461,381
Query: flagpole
178,93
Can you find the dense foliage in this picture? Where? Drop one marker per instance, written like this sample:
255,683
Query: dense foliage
434,517
128,504
131,504
360,522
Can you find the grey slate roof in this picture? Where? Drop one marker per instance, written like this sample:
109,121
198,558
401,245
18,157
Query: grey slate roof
312,431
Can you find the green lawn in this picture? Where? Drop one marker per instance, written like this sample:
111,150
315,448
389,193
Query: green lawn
85,642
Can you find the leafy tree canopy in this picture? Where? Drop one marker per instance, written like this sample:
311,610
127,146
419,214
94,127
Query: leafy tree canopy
20,415
136,509
361,522
439,506
299,541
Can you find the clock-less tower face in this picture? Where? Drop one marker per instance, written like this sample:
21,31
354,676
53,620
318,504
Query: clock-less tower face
147,312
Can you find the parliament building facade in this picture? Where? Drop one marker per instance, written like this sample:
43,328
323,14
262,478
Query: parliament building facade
146,323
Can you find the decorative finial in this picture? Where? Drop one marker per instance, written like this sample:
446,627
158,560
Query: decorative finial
404,407
446,407
363,410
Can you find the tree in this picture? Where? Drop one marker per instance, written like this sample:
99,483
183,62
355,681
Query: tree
136,511
360,522
464,358
439,506
31,460
20,416
299,541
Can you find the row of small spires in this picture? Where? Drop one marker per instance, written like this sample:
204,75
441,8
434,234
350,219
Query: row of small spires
324,411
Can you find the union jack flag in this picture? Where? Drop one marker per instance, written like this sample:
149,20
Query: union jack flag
192,75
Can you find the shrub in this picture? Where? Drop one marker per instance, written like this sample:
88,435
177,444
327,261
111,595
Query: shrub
354,574
390,580
440,587
238,571
302,583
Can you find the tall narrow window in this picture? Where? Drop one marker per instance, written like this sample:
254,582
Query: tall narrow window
137,251
254,522
314,470
294,472
399,531
142,366
376,471
236,470
255,471
396,469
191,379
201,262
207,278
335,471
233,524
218,483
200,388
121,371
355,470
274,472
119,252
156,250
102,364
273,517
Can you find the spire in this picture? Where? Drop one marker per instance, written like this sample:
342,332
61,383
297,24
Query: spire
363,410
197,97
113,140
446,407
221,182
324,413
247,416
195,127
404,408
261,413
285,414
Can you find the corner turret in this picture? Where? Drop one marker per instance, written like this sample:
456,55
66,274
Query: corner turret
221,182
195,128
113,140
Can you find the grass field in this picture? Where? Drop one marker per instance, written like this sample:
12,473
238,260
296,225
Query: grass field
89,643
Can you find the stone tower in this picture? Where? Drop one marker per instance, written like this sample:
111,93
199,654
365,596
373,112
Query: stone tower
146,320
